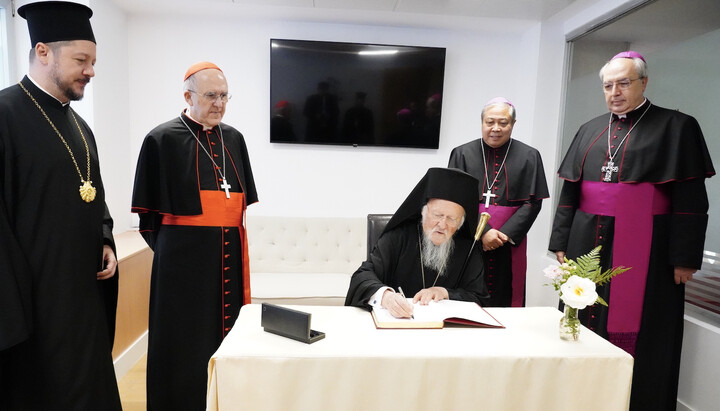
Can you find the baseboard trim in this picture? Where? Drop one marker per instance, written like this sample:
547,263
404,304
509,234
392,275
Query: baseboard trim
131,356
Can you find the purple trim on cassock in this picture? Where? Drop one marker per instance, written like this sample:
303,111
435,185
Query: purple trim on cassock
499,216
633,206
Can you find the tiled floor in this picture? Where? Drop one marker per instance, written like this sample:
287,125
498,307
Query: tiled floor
132,387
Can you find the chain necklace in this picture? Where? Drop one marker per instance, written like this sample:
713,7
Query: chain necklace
489,193
87,191
225,186
610,167
422,263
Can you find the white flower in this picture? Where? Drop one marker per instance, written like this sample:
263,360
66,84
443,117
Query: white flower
578,292
552,272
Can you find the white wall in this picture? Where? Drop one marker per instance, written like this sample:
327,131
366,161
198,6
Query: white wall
312,180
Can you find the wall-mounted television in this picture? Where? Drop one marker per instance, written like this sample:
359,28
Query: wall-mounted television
355,94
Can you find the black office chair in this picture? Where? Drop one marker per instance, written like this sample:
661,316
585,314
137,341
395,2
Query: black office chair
375,225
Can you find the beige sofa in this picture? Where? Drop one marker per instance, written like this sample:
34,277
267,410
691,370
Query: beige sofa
304,260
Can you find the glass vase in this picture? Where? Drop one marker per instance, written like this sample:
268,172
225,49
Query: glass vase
570,324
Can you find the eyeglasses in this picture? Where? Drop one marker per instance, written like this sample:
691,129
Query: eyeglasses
623,84
450,221
213,96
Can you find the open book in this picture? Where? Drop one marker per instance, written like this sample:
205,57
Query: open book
436,314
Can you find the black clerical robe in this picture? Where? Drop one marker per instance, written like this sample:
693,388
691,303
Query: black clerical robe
667,151
518,192
57,320
395,262
198,280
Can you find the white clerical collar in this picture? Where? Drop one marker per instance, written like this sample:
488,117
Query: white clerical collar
205,128
625,115
45,91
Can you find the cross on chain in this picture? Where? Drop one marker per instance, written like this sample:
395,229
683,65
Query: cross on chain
608,170
225,186
487,197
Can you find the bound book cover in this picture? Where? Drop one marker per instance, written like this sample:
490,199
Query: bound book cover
436,314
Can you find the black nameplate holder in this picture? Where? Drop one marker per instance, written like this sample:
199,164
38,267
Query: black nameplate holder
289,323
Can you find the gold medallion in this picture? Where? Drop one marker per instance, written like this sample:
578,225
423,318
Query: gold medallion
87,191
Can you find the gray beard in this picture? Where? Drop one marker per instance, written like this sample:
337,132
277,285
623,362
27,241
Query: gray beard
436,256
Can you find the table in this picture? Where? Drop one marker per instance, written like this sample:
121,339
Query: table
524,366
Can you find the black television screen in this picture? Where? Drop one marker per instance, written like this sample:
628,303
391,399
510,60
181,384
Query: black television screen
355,94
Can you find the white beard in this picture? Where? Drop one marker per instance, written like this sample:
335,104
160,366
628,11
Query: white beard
436,256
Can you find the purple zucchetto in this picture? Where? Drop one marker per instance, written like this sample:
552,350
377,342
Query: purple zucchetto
628,55
499,100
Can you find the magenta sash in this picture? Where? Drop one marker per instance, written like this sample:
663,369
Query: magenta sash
499,216
633,206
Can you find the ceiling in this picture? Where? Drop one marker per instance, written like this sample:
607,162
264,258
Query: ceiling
662,21
511,9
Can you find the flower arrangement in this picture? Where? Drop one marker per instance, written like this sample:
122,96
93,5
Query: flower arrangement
576,281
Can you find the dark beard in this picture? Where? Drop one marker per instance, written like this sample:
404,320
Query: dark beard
66,90
436,256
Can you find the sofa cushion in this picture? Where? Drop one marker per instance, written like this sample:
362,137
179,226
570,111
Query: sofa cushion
304,260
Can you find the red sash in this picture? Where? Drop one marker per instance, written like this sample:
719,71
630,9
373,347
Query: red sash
220,211
499,216
633,206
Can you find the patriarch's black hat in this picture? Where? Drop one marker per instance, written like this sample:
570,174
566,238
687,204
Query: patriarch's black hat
50,21
447,184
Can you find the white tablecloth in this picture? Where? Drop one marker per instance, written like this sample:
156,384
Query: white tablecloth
357,367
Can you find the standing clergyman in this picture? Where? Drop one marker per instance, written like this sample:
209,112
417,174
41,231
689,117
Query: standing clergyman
635,184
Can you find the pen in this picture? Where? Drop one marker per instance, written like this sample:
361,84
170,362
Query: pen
412,316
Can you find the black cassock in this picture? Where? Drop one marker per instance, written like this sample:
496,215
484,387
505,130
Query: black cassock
520,184
55,341
395,262
198,284
666,149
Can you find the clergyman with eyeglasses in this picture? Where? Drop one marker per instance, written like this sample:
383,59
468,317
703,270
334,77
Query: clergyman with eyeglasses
634,183
192,185
426,250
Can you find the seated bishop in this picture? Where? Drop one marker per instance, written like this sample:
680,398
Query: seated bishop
426,250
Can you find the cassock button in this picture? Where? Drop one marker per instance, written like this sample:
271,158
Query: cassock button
227,317
226,268
227,230
227,242
212,143
215,155
227,281
600,237
227,305
227,255
227,292
227,329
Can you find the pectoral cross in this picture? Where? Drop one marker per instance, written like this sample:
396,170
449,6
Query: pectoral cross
608,170
225,186
487,198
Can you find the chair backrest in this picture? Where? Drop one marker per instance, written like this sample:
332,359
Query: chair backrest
375,225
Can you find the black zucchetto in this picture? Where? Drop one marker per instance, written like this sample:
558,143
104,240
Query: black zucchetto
50,21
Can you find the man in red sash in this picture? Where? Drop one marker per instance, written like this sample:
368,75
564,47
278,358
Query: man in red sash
192,185
634,183
512,186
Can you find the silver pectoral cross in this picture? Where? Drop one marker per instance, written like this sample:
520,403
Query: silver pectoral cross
608,170
225,186
487,197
